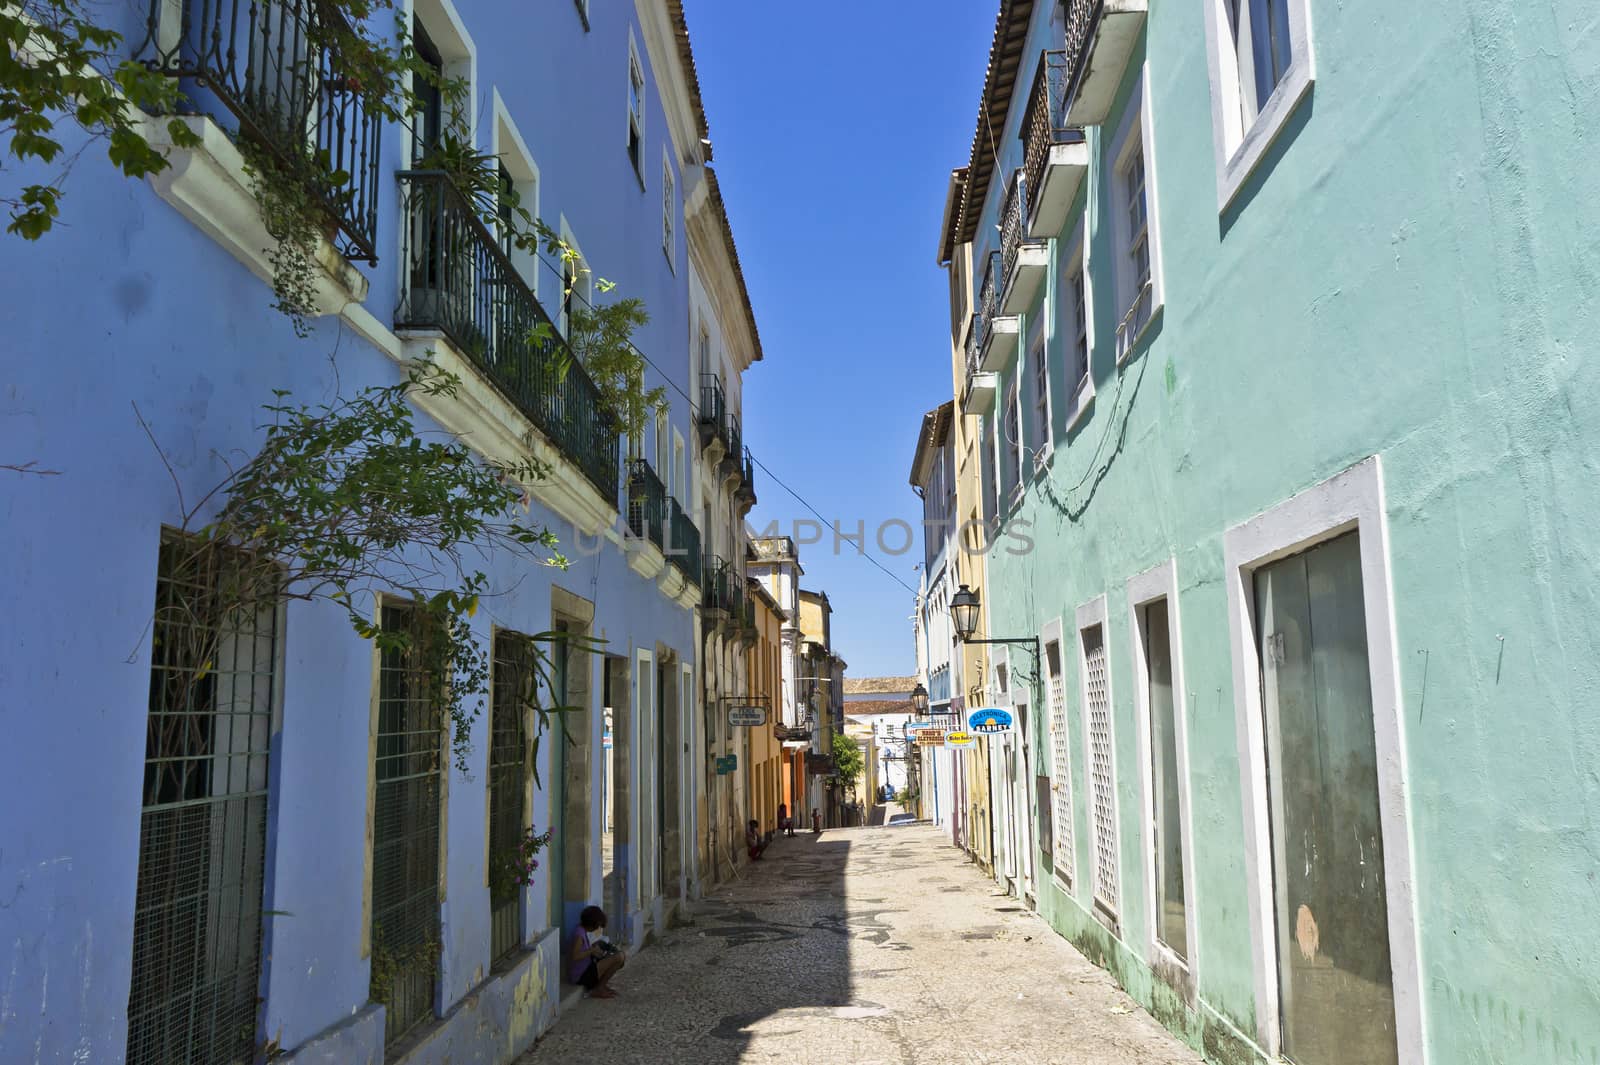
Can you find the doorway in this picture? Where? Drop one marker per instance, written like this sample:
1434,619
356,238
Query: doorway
1329,896
618,747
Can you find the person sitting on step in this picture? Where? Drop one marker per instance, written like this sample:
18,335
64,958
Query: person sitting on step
594,959
753,841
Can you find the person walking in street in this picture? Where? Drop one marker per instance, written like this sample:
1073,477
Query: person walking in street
594,959
785,822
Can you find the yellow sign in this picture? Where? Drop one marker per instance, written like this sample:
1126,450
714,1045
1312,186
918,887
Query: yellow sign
958,739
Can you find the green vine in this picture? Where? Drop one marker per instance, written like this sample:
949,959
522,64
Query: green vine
348,499
388,964
513,867
295,220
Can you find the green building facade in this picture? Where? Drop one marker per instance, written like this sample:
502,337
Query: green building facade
1274,315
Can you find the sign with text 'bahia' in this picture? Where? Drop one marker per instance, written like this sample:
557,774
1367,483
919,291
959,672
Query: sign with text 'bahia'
958,739
990,719
747,716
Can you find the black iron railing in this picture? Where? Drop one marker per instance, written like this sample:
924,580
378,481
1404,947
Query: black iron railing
1082,18
647,502
713,413
683,542
277,66
1046,121
748,486
1011,227
714,583
983,312
733,436
455,278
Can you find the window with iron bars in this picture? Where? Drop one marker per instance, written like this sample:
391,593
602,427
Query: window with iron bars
405,839
512,691
203,824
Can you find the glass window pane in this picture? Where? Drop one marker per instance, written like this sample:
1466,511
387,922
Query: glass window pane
1331,905
1171,917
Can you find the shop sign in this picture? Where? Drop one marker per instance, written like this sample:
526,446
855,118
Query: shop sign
958,739
727,764
990,719
747,716
929,737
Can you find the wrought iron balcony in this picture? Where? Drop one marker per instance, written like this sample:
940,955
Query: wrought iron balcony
682,546
733,438
712,419
1101,35
1055,157
456,279
647,502
747,485
1023,261
276,66
714,599
991,335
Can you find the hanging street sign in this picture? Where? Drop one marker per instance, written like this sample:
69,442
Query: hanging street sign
747,716
929,737
990,719
958,739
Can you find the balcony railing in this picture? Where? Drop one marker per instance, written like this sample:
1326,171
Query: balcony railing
277,66
713,407
683,542
1082,16
983,313
1011,227
647,502
714,583
1046,121
747,486
455,278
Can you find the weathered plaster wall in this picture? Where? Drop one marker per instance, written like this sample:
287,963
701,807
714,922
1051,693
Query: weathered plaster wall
1411,274
128,305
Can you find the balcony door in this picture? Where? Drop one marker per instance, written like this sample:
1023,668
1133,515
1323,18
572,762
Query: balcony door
1329,896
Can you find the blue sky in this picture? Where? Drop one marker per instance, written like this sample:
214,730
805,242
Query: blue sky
835,126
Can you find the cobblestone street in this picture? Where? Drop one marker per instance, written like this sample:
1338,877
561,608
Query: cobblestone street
865,946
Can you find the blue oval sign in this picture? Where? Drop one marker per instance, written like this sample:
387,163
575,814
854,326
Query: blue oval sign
990,719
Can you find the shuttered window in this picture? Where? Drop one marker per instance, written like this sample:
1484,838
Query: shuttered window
1061,763
512,690
1102,770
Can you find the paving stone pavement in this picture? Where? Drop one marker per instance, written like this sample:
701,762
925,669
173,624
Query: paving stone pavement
869,946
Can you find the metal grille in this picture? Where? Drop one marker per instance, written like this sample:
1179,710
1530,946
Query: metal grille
1045,123
1011,228
1102,773
202,832
405,842
508,784
646,501
457,279
1061,755
1083,16
277,66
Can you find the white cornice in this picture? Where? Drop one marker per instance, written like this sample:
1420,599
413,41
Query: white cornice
671,82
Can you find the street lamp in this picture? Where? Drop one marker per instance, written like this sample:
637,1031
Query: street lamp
919,699
964,613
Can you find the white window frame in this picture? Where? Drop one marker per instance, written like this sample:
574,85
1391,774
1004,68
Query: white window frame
636,118
1240,147
1088,616
1352,500
1075,262
1064,848
460,55
1135,132
1010,436
1154,585
506,143
1040,427
583,284
669,211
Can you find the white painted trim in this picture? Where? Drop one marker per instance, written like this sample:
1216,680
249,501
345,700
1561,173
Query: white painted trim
670,214
1137,116
644,105
1161,582
449,34
1088,616
1077,257
1238,150
1353,500
1061,775
506,144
